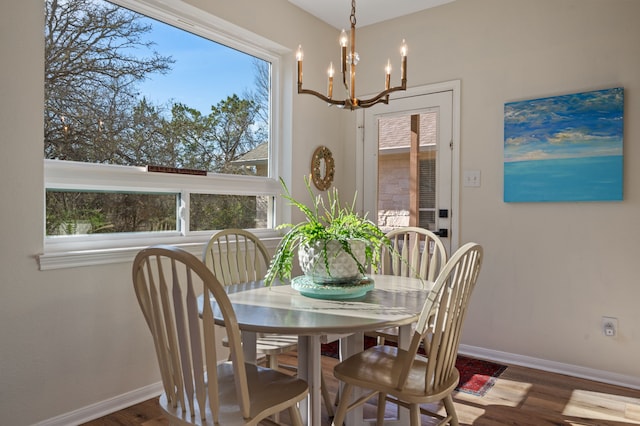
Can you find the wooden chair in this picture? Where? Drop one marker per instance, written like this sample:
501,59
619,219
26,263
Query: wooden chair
236,256
405,377
415,252
199,387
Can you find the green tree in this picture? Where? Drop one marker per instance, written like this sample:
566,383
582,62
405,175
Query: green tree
92,65
95,56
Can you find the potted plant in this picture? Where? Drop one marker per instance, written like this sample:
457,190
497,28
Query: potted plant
335,244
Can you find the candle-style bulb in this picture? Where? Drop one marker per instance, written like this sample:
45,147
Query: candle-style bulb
330,71
387,77
403,49
343,38
299,53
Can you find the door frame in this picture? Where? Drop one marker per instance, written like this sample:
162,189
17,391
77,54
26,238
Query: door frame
454,87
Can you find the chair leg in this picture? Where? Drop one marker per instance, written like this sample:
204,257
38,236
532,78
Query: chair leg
451,410
382,406
272,363
294,414
414,415
326,397
338,420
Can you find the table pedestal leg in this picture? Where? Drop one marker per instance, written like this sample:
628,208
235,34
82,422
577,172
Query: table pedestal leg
352,345
309,369
249,346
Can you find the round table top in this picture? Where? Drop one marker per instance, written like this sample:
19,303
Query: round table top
280,309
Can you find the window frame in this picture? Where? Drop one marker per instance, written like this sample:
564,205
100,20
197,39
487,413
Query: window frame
83,250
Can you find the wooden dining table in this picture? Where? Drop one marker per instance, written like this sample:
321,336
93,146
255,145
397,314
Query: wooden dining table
393,301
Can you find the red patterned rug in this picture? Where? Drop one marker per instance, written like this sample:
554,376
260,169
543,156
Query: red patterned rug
476,376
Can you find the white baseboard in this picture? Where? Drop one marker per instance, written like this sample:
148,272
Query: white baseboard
99,409
552,366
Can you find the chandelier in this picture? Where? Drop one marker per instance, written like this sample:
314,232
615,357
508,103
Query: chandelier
350,60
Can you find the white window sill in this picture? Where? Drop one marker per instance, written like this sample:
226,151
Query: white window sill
61,259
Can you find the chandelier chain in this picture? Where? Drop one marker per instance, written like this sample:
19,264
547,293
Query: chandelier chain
352,19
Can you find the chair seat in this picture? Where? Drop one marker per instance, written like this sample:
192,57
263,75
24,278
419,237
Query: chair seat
379,367
269,393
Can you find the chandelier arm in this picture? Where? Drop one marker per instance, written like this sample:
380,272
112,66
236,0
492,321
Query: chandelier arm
320,96
364,103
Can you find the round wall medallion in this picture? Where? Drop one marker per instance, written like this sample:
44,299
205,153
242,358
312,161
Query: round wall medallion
322,168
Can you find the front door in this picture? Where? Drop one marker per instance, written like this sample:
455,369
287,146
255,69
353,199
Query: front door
408,164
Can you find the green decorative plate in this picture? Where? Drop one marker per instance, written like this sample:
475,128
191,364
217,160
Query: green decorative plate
307,287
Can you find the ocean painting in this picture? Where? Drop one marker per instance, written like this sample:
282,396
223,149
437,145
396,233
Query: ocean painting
564,148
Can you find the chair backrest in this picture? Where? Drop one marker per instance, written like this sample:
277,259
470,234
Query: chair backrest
167,282
236,256
416,252
440,322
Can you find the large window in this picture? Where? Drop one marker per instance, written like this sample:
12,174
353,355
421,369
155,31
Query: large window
154,130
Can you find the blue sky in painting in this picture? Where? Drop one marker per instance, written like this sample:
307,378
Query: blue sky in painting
579,125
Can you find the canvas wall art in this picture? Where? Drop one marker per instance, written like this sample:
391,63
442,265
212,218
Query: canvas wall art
564,148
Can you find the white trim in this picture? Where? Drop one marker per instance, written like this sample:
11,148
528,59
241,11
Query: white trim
103,408
602,376
197,21
77,258
78,175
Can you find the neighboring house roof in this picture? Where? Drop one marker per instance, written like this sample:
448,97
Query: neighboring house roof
258,155
395,132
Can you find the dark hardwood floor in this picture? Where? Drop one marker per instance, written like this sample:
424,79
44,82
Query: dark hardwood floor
521,396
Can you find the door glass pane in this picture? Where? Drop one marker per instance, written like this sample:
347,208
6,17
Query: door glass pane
394,175
394,141
427,211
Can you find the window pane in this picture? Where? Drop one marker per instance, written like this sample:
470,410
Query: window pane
212,211
125,89
73,213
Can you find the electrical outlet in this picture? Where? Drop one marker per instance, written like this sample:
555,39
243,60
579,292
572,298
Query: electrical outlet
609,326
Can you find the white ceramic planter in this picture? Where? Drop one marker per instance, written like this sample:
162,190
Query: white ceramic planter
342,267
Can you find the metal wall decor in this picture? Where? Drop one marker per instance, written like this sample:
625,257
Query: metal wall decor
322,168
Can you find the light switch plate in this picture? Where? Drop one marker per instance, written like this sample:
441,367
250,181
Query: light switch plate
471,178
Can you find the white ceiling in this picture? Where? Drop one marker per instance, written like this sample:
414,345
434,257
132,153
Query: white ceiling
336,12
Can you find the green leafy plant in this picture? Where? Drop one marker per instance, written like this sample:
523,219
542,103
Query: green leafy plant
326,222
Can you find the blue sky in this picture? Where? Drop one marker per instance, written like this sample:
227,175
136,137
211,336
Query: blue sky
570,126
203,74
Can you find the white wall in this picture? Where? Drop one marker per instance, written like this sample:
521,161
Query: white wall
74,337
551,270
